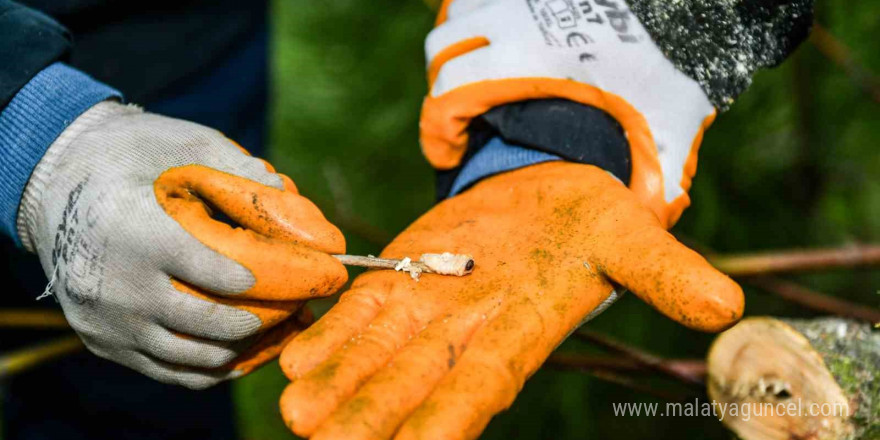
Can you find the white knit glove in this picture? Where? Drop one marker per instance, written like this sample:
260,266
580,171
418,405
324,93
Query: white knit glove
119,211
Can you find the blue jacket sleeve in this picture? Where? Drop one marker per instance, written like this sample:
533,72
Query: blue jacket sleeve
32,120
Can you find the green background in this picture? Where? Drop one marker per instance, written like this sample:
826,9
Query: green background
795,163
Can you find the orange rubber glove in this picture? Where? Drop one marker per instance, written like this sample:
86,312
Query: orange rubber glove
436,359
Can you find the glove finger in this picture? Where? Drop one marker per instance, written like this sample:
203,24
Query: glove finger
272,315
192,313
192,378
499,358
354,311
265,210
381,405
269,313
270,344
285,241
640,255
176,349
307,402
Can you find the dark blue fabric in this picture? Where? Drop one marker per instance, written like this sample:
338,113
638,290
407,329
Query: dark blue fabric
231,99
38,113
560,128
84,397
29,41
143,47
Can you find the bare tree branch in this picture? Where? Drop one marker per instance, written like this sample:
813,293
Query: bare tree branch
797,260
685,375
803,296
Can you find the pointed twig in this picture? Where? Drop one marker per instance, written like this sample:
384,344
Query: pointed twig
440,264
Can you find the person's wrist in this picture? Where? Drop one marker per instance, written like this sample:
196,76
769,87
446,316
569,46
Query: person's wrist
31,123
525,133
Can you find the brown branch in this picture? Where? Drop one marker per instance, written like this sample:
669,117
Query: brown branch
612,376
687,375
744,265
628,382
803,296
690,367
840,54
593,362
48,319
30,357
796,260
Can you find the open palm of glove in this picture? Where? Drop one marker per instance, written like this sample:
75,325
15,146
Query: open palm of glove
121,212
438,358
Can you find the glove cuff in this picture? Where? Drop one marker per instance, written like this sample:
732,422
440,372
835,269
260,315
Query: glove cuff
528,132
43,173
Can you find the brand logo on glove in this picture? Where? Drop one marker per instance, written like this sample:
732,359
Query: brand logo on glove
564,23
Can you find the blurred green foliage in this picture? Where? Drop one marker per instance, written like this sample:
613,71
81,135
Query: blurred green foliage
795,163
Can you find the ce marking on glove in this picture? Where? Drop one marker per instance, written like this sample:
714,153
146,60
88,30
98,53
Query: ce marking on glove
578,39
565,17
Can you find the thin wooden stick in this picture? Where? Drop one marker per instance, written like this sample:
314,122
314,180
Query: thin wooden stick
367,261
692,367
744,265
441,264
796,260
27,358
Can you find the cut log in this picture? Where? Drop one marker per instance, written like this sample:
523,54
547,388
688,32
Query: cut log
791,379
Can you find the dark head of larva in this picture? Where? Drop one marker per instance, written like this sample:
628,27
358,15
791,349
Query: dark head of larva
469,266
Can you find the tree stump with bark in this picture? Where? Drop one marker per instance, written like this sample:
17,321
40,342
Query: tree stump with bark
797,379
